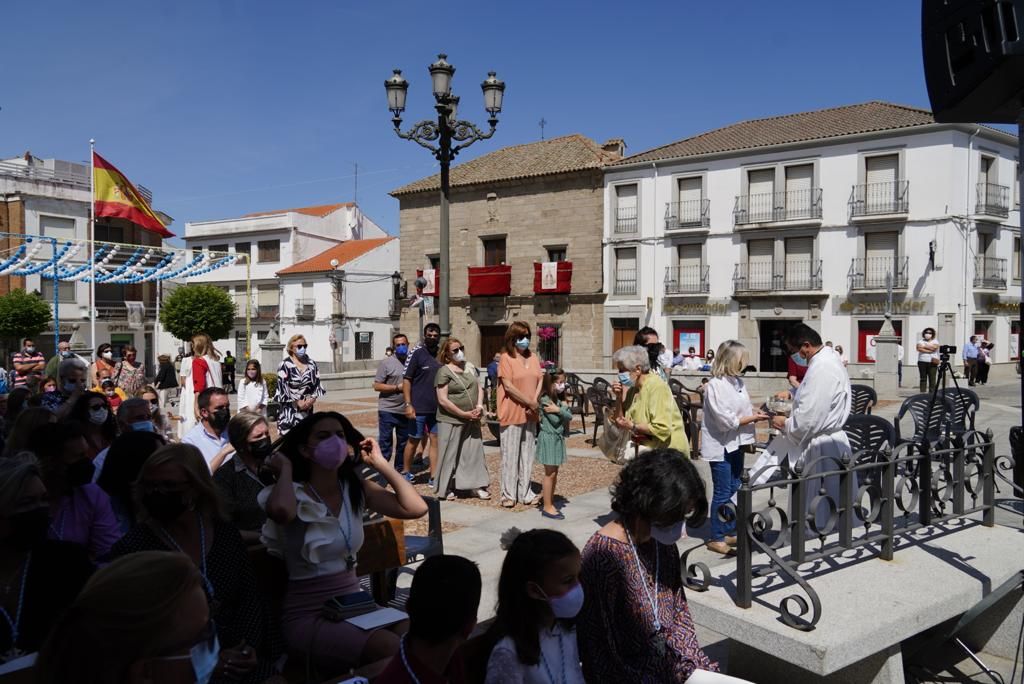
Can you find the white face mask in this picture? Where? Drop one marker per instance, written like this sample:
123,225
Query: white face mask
667,535
459,356
108,355
98,416
665,359
559,387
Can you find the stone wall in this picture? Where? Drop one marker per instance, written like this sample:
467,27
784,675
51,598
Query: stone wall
12,220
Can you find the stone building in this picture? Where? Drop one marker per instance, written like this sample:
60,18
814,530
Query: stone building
525,227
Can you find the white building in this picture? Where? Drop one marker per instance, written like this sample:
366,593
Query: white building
737,232
342,301
51,197
271,241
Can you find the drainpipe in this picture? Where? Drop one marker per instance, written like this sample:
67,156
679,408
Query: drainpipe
654,260
967,292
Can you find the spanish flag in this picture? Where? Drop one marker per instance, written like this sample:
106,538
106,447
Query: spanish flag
115,196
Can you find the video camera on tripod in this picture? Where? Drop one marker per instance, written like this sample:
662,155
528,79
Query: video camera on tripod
945,350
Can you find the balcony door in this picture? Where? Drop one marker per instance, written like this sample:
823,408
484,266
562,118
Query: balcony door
760,195
760,261
799,265
626,208
494,251
880,252
688,277
798,200
880,176
625,271
491,339
690,195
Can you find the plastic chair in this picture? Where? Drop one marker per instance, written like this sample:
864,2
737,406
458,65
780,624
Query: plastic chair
599,399
601,385
577,398
965,404
928,428
864,399
869,433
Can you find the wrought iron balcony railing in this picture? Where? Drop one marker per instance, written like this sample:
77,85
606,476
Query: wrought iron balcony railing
305,309
869,273
873,199
992,200
791,275
687,280
771,207
625,282
265,311
989,273
626,221
687,214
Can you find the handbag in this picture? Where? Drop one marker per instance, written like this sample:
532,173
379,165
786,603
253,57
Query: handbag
614,441
935,361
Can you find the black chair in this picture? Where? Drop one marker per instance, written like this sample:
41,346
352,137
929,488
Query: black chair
871,433
419,547
930,428
599,399
965,404
602,385
864,399
577,398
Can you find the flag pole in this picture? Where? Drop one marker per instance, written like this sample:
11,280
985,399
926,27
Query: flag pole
92,244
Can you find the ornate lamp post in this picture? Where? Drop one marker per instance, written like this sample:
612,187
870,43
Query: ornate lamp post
446,130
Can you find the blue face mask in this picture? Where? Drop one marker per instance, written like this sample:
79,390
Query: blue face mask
625,380
143,426
523,343
402,349
798,360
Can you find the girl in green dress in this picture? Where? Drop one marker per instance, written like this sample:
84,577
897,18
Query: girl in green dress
554,423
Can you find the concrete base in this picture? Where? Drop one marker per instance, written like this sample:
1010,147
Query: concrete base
748,663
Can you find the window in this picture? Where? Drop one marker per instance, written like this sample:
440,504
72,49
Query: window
625,271
760,201
1016,258
883,193
107,233
57,227
623,330
760,181
548,337
244,249
799,265
364,346
556,253
760,260
65,291
494,251
689,275
262,334
626,208
880,259
266,301
1016,184
435,262
799,199
222,249
240,300
686,334
269,251
690,210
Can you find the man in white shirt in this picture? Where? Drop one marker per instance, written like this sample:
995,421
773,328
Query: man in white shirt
210,434
820,409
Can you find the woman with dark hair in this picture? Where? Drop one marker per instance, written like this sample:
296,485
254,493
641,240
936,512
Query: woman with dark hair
179,509
92,413
17,401
239,479
635,625
28,421
519,382
121,468
315,512
104,361
927,359
128,375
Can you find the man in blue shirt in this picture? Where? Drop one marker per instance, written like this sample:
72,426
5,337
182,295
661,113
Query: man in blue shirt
210,434
971,360
420,395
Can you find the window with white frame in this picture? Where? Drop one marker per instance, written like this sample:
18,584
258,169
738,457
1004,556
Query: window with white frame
1016,258
625,276
626,208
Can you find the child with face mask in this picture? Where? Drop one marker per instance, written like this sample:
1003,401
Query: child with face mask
554,423
539,597
252,391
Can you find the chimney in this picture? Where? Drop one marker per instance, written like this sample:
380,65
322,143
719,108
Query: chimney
615,146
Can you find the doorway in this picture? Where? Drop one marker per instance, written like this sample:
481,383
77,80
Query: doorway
623,332
774,356
492,338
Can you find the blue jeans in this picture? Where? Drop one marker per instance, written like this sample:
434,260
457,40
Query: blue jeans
725,480
386,422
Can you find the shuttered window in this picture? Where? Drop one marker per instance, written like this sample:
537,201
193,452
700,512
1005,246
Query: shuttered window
882,169
798,199
760,181
626,209
625,271
690,189
269,251
266,295
798,262
985,171
760,255
881,245
689,256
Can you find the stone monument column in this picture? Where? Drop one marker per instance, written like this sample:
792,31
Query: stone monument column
78,344
886,353
271,350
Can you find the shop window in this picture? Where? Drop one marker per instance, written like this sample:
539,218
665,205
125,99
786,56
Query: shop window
1014,340
364,346
686,334
867,331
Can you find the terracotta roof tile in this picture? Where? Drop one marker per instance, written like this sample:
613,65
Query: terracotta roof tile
558,155
822,124
344,252
320,210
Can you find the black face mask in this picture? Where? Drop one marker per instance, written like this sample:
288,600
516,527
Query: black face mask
219,419
79,473
29,528
164,507
432,345
261,448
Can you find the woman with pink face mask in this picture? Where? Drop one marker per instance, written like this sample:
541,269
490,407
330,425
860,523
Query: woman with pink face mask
315,524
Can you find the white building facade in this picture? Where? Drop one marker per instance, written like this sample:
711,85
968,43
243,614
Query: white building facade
739,232
270,242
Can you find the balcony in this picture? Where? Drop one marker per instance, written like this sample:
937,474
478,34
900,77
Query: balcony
684,280
395,309
880,199
110,311
266,312
687,214
989,274
490,281
777,207
870,273
625,282
562,282
305,309
992,200
792,275
626,221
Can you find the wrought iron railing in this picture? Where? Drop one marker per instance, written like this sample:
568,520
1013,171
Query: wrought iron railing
688,214
992,200
626,220
625,282
266,311
870,273
849,508
989,273
871,199
779,276
687,280
769,207
305,309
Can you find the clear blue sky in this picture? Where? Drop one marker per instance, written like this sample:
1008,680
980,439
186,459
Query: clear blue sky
224,107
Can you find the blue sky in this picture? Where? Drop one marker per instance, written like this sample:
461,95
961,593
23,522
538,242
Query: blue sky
224,107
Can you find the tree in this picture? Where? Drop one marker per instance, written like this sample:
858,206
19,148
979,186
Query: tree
195,309
22,315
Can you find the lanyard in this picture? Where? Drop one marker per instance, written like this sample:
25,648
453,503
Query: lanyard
202,552
59,530
561,653
350,560
657,563
15,624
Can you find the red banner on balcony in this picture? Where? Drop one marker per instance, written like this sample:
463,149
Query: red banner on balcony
490,281
554,277
432,289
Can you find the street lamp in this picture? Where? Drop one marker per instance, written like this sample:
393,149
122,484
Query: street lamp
446,129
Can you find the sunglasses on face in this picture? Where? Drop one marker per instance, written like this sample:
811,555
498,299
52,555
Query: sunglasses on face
457,350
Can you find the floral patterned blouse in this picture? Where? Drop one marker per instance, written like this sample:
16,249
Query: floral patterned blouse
292,385
615,629
129,378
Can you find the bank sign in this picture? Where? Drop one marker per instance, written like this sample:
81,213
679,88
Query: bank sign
919,306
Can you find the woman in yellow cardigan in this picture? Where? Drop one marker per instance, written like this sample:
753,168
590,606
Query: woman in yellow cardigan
644,403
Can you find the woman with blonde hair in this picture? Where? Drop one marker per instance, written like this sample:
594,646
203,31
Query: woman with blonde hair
179,509
460,407
143,618
519,382
298,385
727,427
203,371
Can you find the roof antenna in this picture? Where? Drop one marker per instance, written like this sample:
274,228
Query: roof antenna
542,123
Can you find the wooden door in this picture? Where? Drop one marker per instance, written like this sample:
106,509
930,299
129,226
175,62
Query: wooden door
623,332
491,339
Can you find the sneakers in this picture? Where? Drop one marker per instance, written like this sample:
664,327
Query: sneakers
430,483
483,494
409,477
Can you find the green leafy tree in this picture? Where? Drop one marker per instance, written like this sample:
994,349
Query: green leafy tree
195,309
22,315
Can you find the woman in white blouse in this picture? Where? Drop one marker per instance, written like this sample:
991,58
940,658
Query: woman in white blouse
252,391
728,425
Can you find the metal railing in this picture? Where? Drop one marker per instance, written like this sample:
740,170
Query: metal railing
769,207
305,309
265,311
626,220
790,275
851,508
992,200
625,282
989,273
31,172
870,273
871,199
113,311
688,214
687,280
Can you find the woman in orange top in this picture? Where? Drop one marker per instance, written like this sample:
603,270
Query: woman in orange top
519,383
